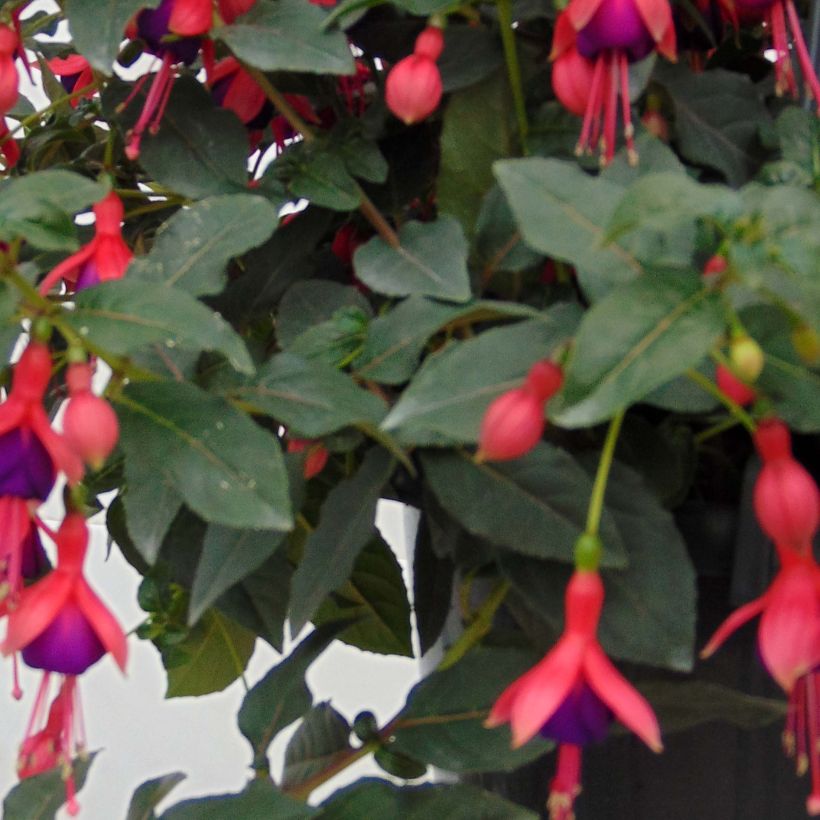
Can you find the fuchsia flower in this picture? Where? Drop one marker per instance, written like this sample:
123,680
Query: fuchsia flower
413,89
90,425
573,695
74,73
609,34
9,78
317,455
514,422
104,258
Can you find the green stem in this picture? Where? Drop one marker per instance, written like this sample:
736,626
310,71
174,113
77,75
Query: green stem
338,764
596,502
716,429
513,69
480,626
733,407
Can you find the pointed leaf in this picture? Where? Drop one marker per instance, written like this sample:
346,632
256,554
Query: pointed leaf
321,736
150,794
227,469
260,799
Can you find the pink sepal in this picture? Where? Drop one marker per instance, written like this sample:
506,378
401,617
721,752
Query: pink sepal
580,12
12,414
739,617
102,621
39,605
67,269
61,454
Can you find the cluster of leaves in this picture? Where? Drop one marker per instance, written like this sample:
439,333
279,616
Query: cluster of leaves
233,326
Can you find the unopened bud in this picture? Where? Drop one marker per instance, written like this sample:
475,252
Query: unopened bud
747,358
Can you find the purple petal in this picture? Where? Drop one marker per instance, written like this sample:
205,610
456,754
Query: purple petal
152,26
26,468
88,276
33,560
616,25
582,718
67,645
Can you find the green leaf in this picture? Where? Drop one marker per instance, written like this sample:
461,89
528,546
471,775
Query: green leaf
260,799
447,398
97,27
396,339
498,242
38,207
649,613
476,133
718,116
150,794
282,696
212,656
224,466
41,796
185,156
375,596
535,505
443,721
431,261
321,736
562,212
193,247
228,556
126,315
371,798
640,336
287,35
799,139
346,523
315,172
312,398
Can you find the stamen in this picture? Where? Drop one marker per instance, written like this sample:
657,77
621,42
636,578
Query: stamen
806,66
584,142
610,112
16,690
626,109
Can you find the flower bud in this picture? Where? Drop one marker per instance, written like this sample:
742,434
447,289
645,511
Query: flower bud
512,425
430,43
9,78
317,455
715,266
773,440
545,379
747,358
413,89
90,428
733,387
787,502
806,343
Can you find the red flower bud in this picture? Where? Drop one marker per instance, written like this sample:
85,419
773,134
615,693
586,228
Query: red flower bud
90,425
512,425
430,43
413,89
715,266
317,455
786,498
545,379
9,77
733,387
572,79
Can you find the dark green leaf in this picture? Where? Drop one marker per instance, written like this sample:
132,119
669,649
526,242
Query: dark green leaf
476,133
318,175
282,696
150,794
372,798
640,336
228,556
40,797
212,656
498,241
447,398
312,398
443,721
126,315
226,468
193,247
97,27
375,596
432,587
287,35
535,505
431,261
261,799
471,53
321,736
346,523
185,155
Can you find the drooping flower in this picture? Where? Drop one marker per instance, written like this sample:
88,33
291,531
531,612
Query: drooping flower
317,455
104,258
74,73
738,391
90,424
31,452
514,422
574,694
9,78
786,498
413,89
611,34
781,19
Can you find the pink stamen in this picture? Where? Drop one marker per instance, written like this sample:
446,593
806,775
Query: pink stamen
626,109
610,113
16,689
814,751
153,129
806,66
38,712
72,806
133,93
584,143
152,103
784,73
566,785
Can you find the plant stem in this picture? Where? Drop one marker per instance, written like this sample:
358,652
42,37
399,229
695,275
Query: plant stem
733,407
480,626
596,502
338,764
716,429
513,69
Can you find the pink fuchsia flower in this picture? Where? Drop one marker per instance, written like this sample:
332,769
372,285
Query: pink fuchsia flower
573,694
104,258
316,458
611,34
413,89
60,625
514,422
9,78
786,498
74,73
31,452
